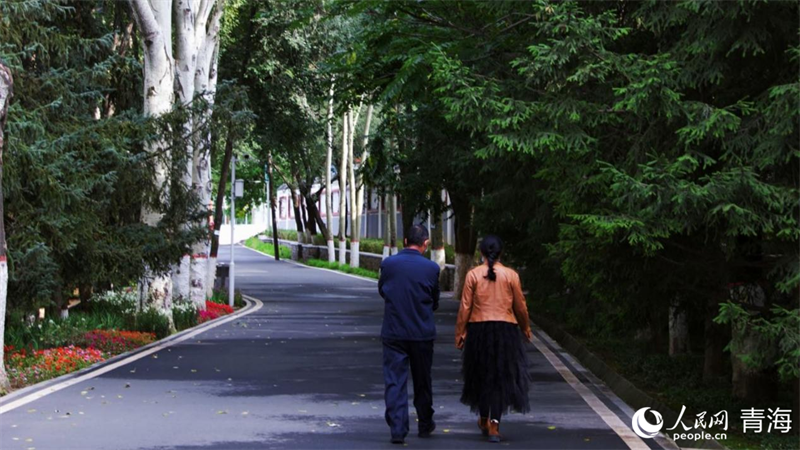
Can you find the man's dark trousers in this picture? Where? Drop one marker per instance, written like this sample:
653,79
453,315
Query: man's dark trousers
397,357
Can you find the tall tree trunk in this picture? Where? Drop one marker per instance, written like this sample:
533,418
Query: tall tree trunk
328,163
205,84
393,224
272,196
466,242
351,171
205,27
6,92
298,217
387,228
343,190
155,25
437,241
311,219
185,14
218,211
359,208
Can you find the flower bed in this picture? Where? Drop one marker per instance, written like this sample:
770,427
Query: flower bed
47,349
26,368
113,342
213,311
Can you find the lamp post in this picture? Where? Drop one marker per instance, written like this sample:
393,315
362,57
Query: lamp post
237,190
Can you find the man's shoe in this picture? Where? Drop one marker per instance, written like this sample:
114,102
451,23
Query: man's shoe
494,431
483,424
398,440
426,433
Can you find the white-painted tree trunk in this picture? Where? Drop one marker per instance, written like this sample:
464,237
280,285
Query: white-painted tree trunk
342,252
203,269
359,185
155,25
197,46
351,171
185,16
328,193
6,92
211,276
343,189
438,256
354,255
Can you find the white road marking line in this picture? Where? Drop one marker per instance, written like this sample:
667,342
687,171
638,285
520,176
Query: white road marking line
612,420
96,373
312,267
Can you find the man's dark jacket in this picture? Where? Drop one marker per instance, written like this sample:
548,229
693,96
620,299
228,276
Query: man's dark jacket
409,285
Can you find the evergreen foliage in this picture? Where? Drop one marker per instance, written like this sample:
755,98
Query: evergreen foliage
75,172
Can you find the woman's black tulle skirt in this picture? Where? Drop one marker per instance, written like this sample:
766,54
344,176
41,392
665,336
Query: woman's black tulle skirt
495,367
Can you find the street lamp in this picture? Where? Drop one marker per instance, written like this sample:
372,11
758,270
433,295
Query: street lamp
237,190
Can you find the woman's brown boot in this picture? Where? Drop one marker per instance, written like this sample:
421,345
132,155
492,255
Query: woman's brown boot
483,424
494,431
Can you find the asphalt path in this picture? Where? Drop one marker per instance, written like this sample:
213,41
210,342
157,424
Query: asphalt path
301,369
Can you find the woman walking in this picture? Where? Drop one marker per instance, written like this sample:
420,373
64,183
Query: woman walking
492,319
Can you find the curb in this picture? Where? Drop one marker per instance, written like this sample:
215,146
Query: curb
52,384
620,386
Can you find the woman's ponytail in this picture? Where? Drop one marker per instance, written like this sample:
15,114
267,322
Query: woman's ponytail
491,248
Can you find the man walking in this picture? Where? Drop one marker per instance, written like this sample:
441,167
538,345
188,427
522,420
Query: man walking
409,285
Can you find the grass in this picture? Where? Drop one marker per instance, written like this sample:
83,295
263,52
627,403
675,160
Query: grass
342,268
265,247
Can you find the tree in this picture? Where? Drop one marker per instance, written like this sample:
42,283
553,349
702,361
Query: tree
343,171
358,188
6,92
328,176
155,24
75,159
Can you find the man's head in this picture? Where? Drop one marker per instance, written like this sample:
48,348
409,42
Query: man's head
417,238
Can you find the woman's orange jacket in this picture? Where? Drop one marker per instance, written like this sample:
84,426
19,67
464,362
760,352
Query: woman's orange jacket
484,300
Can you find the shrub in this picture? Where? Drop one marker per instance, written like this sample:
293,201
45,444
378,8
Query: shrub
113,342
184,315
26,367
151,320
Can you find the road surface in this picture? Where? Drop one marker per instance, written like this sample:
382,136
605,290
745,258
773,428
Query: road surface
301,369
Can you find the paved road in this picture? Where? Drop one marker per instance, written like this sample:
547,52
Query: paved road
301,371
